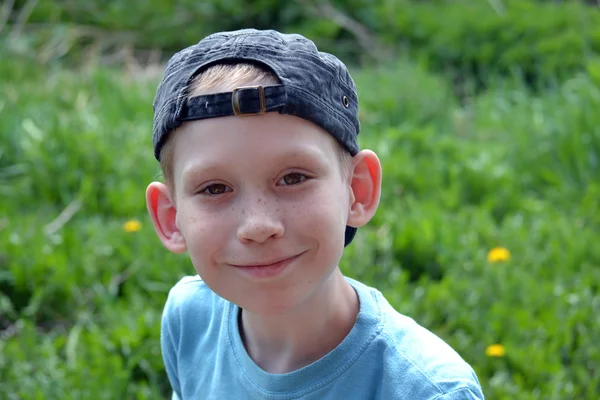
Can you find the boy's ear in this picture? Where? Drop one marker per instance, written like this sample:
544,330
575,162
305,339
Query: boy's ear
164,217
365,185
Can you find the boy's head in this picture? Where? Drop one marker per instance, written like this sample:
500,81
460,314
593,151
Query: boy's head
256,133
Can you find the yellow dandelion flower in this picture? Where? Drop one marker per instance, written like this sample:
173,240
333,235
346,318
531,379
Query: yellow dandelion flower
498,254
132,226
495,350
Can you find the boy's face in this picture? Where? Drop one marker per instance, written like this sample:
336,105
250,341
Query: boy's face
256,191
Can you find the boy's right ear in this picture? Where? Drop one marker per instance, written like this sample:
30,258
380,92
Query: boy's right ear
164,217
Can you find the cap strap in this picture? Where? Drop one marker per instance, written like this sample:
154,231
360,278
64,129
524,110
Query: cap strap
242,101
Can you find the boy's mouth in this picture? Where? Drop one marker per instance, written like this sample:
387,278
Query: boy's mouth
267,269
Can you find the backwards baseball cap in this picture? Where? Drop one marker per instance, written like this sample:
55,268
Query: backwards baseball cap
315,86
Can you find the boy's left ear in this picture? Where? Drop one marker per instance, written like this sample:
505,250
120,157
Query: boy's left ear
365,188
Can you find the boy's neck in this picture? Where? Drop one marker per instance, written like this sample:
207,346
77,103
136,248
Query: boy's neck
285,343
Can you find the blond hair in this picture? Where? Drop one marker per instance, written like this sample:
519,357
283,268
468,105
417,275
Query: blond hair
224,78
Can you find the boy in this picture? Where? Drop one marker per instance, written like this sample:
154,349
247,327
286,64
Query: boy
256,133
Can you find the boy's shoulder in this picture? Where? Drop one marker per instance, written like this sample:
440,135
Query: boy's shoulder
188,289
191,302
188,286
416,356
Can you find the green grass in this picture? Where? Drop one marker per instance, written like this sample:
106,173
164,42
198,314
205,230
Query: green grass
80,301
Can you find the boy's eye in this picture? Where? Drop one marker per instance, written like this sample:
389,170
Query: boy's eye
292,179
215,189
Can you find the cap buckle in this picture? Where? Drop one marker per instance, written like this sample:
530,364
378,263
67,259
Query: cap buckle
235,101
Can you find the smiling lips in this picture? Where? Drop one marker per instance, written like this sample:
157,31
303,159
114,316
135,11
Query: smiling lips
268,269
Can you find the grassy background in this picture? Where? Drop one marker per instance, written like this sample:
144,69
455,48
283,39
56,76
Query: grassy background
512,165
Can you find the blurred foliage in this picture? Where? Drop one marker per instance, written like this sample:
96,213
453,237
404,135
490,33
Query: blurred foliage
538,41
484,39
515,165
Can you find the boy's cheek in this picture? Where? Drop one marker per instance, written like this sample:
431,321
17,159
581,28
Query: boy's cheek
330,207
325,223
202,228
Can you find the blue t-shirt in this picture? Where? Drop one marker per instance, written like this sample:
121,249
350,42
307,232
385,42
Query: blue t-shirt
385,356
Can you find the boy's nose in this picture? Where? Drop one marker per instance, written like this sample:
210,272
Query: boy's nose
260,221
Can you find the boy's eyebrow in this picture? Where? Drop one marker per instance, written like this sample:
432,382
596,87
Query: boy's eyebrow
306,154
199,168
309,154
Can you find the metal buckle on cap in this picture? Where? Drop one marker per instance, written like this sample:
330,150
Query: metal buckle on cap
235,101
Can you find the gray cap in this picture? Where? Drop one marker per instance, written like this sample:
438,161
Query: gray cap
315,86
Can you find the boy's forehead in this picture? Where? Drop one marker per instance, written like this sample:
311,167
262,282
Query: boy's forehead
272,136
